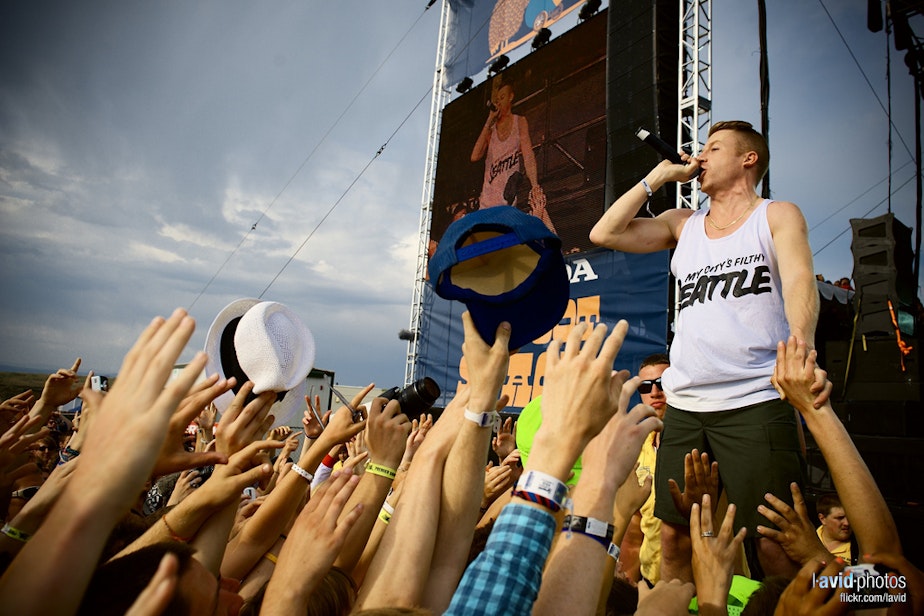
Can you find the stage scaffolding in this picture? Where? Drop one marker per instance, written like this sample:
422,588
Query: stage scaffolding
693,119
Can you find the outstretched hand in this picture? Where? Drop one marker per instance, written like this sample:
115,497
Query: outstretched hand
699,479
131,421
796,534
173,456
798,378
803,597
241,424
62,386
713,554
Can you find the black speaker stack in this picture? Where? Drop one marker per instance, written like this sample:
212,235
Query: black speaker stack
882,272
877,386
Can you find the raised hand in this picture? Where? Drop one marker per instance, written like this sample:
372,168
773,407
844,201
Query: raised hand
582,391
131,421
713,554
61,387
504,442
796,534
13,408
804,597
497,480
314,542
310,417
699,479
186,483
419,430
173,456
387,430
241,425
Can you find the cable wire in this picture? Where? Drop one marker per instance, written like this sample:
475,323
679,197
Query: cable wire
310,155
867,213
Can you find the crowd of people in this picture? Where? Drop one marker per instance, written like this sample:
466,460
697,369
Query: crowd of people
125,510
153,502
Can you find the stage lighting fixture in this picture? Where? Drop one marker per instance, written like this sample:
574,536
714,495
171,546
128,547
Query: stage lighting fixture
465,85
499,64
589,9
542,37
406,334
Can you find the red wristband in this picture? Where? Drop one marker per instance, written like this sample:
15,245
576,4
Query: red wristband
329,461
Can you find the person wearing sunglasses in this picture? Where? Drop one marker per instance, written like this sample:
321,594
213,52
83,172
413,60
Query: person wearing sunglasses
640,557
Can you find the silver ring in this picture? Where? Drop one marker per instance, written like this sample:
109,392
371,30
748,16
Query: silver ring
707,533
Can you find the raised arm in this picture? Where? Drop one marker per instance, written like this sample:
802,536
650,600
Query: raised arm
481,145
869,516
575,573
619,229
129,430
581,394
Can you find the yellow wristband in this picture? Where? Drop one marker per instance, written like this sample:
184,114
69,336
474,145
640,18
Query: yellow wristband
381,471
270,557
384,516
15,533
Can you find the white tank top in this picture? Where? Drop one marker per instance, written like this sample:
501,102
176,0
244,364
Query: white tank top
731,316
501,161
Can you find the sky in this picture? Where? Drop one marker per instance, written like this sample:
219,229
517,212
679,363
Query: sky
141,142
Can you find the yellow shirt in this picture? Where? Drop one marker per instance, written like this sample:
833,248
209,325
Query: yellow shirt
843,551
649,554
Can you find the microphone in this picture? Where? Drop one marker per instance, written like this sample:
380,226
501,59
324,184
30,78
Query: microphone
492,106
662,147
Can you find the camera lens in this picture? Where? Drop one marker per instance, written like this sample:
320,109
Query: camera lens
416,398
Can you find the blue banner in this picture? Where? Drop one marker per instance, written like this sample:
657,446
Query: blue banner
482,30
606,286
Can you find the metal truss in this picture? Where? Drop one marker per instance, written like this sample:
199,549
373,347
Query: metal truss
439,98
694,96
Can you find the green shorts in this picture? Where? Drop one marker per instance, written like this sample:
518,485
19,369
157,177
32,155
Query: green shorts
757,448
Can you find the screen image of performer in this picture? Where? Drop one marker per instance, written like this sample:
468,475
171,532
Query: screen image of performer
744,266
505,146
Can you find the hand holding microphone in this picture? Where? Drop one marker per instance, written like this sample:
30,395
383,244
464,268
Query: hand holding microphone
663,148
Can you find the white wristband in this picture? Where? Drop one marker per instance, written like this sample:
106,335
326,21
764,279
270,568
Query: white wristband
388,508
613,551
489,418
298,469
544,485
647,187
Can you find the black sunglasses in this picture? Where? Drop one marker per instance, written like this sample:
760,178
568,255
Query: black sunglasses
645,386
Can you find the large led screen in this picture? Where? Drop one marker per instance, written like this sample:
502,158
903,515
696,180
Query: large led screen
533,136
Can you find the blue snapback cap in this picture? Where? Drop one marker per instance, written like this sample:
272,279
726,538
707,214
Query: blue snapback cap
504,265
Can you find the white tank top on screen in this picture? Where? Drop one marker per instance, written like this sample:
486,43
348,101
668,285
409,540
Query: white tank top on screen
501,161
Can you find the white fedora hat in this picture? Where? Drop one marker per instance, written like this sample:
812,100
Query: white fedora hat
263,342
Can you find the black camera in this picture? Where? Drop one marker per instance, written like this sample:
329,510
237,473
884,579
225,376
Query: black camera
416,398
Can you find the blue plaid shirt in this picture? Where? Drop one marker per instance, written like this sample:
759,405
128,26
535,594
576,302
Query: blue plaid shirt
505,578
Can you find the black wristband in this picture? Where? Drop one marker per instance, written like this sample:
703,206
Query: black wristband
598,530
